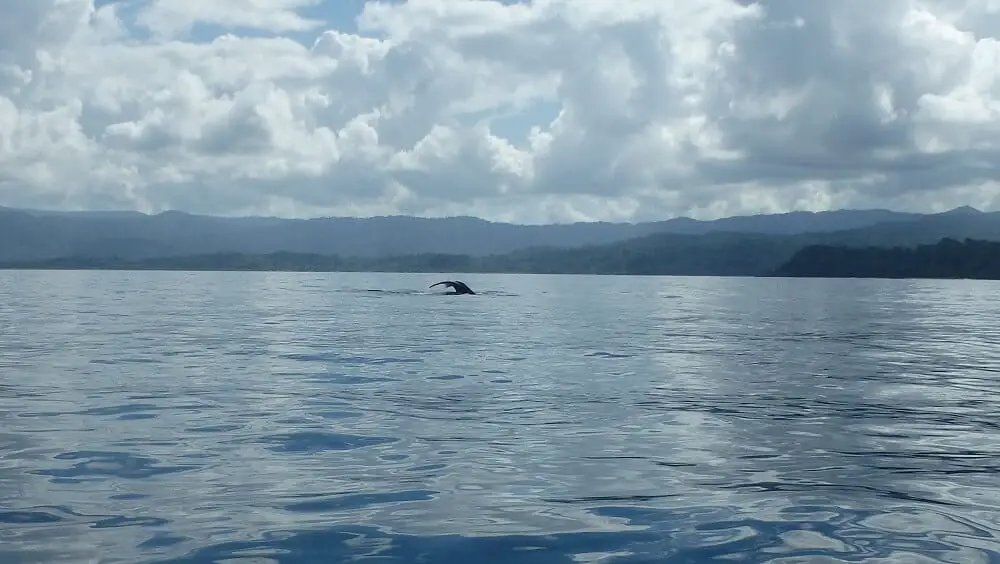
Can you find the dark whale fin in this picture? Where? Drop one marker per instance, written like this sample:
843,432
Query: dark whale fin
457,285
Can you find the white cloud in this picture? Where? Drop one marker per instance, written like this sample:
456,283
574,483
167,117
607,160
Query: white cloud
168,18
552,110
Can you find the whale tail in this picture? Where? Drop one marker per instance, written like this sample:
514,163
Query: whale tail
457,285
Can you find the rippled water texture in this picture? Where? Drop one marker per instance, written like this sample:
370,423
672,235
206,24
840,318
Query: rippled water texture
280,417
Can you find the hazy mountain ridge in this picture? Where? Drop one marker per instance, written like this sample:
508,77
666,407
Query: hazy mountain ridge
40,235
715,253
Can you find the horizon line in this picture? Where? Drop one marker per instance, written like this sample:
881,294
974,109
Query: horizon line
133,212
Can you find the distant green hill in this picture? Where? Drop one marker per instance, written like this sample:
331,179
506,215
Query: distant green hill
948,258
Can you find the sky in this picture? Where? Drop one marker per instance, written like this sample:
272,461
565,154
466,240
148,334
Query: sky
542,111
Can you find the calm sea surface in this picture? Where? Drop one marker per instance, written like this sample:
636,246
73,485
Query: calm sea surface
279,417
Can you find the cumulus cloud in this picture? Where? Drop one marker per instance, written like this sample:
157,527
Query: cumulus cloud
550,110
169,18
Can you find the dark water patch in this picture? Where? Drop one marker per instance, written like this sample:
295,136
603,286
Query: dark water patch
61,514
294,421
350,359
620,457
180,352
122,409
248,352
446,377
130,360
213,429
128,496
805,486
112,464
764,456
675,464
553,423
156,396
605,498
354,501
143,441
122,521
137,416
161,540
317,441
349,380
602,354
28,517
334,414
427,468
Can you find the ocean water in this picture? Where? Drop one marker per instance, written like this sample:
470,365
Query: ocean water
169,417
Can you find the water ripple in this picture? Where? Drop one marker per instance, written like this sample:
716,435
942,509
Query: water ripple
299,418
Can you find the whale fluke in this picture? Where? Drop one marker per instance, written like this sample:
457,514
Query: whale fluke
457,285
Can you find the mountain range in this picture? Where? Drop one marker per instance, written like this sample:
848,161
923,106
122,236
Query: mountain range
740,245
